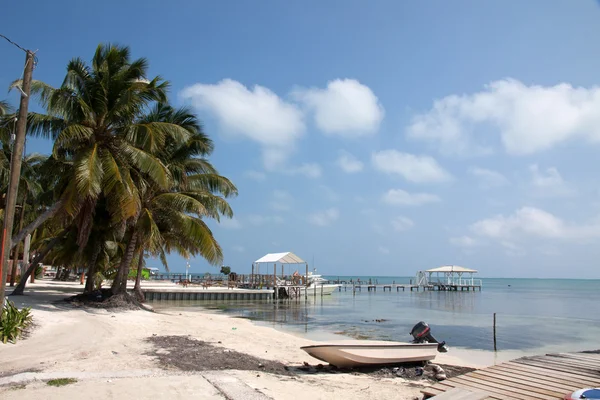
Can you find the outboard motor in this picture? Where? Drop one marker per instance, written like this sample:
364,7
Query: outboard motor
422,334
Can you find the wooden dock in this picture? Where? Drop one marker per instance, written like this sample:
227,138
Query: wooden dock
548,377
158,294
397,287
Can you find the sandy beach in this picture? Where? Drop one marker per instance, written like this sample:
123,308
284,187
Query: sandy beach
111,356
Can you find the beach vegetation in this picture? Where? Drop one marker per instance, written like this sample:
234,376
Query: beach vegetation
13,322
61,381
129,175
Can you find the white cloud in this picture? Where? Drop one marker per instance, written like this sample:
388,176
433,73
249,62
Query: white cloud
259,220
402,224
257,114
324,218
345,108
512,249
401,197
327,193
418,169
239,249
281,200
256,175
348,163
464,241
310,170
488,178
383,250
230,223
549,182
533,222
377,228
528,119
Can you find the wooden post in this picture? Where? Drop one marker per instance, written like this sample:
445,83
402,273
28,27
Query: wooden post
15,173
275,280
495,349
306,284
252,278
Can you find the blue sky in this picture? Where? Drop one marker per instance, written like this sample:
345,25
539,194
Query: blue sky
379,138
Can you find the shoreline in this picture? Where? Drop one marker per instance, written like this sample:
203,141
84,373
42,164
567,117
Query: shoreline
108,352
105,350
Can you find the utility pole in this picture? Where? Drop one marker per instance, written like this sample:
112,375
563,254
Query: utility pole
15,174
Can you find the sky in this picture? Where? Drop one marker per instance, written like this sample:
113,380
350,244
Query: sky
371,138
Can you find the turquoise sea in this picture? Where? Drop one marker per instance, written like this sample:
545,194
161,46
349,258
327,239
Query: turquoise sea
532,314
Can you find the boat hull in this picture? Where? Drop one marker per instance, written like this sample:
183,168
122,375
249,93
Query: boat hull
327,289
365,353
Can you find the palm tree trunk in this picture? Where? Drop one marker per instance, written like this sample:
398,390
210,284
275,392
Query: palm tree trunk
13,272
119,285
137,289
36,260
91,278
49,213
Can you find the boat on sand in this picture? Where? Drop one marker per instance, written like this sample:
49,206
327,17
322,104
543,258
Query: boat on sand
364,353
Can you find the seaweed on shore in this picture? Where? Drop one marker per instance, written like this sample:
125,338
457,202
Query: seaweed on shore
188,354
103,298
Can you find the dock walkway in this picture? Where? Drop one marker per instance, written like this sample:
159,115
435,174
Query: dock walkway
546,377
357,287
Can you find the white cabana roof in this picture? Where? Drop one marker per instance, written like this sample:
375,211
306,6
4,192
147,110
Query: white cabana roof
451,268
282,258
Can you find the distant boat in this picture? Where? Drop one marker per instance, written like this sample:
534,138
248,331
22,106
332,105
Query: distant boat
362,353
318,285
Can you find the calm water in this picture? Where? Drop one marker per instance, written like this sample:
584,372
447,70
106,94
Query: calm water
559,315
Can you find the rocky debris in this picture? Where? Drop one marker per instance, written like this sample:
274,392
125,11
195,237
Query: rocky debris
409,371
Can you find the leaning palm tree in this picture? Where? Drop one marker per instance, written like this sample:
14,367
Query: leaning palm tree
92,119
95,120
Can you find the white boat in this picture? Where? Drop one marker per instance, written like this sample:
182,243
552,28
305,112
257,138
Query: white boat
316,290
362,353
318,285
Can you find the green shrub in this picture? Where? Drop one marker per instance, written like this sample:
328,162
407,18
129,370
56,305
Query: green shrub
38,272
61,381
13,322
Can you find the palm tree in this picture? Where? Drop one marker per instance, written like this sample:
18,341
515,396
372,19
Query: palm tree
95,119
172,219
92,119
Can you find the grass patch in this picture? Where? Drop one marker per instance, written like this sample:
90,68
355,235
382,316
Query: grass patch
18,387
61,381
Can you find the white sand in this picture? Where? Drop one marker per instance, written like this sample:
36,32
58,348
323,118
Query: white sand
104,351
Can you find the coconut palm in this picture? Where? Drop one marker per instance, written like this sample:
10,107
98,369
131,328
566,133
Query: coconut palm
96,121
172,219
92,118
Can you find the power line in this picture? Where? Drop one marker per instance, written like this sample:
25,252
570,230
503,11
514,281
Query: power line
13,43
35,59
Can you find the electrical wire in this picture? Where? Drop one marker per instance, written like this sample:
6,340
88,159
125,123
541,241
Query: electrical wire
35,59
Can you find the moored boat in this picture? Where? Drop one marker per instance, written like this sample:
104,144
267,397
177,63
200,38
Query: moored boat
361,353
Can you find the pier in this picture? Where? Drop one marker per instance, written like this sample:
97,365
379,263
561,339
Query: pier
448,278
345,287
221,294
547,377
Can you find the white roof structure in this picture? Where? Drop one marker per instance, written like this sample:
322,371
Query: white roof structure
452,268
282,258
